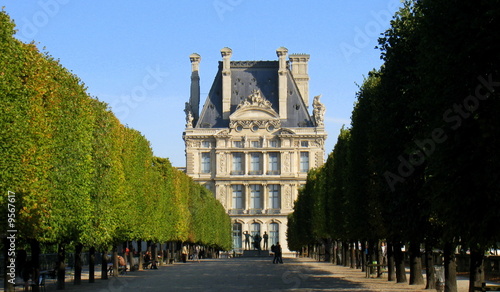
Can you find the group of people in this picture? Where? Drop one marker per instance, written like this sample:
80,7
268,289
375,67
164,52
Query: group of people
278,255
195,255
256,240
275,249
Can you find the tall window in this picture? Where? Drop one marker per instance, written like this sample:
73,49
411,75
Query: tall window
205,162
238,197
274,143
238,163
255,144
255,197
274,166
255,229
304,161
274,197
236,235
274,233
255,163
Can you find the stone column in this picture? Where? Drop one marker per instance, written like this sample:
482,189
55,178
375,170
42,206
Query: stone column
282,82
194,100
265,196
299,73
226,82
246,194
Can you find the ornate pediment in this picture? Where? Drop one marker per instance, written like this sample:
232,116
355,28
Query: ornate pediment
286,131
255,100
255,112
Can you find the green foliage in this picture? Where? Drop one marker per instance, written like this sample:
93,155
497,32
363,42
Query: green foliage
421,161
81,176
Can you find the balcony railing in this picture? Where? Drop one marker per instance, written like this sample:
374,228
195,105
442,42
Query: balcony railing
273,172
273,211
236,211
255,211
255,172
237,172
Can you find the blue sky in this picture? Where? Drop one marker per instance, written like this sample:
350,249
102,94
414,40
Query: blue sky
134,55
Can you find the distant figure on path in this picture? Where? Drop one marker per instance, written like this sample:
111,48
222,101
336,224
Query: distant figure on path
196,253
273,250
184,253
266,237
278,253
247,240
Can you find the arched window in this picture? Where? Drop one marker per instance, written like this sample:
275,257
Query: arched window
236,235
274,233
255,229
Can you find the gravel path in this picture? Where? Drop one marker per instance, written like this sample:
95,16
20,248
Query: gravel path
246,274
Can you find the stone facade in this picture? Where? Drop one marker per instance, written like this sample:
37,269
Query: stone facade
254,140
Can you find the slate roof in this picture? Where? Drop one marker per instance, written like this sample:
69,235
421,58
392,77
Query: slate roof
245,77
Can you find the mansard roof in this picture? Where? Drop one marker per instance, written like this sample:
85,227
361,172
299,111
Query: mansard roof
246,77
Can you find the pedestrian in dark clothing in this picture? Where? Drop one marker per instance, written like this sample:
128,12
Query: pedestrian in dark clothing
273,250
278,253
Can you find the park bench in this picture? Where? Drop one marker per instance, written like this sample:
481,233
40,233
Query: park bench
485,287
122,270
145,265
378,268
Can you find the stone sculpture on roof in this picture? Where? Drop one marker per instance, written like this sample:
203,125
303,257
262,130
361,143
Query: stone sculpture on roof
318,111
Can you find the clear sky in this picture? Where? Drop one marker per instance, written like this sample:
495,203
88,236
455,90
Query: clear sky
134,54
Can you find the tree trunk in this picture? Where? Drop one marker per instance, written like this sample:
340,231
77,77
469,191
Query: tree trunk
450,268
345,254
362,255
430,272
154,256
328,247
78,264
169,248
476,277
115,262
139,251
399,263
35,261
104,265
61,266
391,268
335,252
379,257
416,277
131,257
352,255
92,265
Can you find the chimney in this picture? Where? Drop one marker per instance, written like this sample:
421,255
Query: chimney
194,99
282,82
299,73
226,82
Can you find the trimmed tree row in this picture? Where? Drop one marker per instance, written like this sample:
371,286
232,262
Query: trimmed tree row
81,178
419,165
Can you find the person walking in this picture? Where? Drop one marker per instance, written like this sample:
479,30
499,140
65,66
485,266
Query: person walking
278,253
184,253
265,237
196,253
273,250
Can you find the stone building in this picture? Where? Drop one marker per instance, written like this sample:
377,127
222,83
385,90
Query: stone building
254,139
